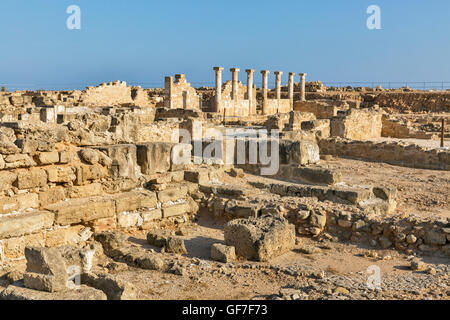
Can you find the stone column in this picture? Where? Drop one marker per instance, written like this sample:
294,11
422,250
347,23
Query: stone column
302,86
278,84
265,74
218,88
250,90
291,89
168,87
234,83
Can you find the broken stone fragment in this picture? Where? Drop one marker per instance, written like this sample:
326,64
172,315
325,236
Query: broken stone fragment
261,238
110,240
417,265
175,245
317,219
113,287
14,276
236,172
46,269
18,292
90,156
223,253
158,238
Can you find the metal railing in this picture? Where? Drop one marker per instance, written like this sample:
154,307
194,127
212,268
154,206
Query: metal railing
418,85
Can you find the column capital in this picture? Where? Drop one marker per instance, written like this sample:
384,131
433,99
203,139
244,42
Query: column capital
303,74
265,72
249,70
278,73
292,73
235,69
218,68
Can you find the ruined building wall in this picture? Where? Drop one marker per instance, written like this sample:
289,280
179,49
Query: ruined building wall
53,186
357,124
396,129
408,155
321,110
414,101
180,94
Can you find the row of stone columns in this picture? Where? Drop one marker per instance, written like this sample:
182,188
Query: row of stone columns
265,74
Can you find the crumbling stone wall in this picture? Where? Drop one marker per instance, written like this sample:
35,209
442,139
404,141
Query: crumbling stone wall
321,110
414,101
397,153
357,124
397,129
180,94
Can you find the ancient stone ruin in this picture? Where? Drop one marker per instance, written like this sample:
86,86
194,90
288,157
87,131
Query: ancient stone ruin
232,192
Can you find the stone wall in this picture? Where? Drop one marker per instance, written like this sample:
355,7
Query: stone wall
180,94
358,124
397,153
51,193
394,128
414,101
275,106
321,110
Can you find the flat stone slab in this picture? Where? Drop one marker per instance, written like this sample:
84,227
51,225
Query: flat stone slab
27,223
17,291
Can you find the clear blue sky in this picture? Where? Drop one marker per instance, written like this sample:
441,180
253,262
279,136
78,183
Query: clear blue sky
141,41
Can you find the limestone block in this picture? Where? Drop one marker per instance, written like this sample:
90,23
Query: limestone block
129,219
89,190
104,224
113,287
135,200
158,238
44,158
260,239
67,156
52,195
82,210
175,245
176,210
62,236
7,179
150,215
435,237
304,152
173,194
154,157
27,201
200,176
8,204
123,160
8,148
13,161
14,248
22,224
223,253
46,269
27,179
17,292
317,175
60,174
